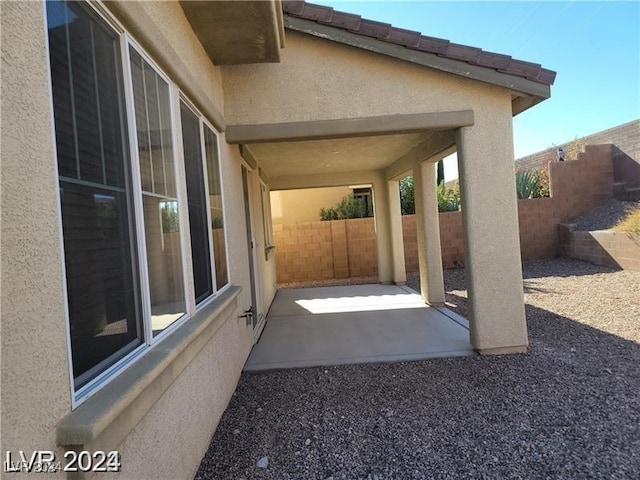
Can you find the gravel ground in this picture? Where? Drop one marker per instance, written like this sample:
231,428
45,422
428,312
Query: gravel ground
570,408
605,216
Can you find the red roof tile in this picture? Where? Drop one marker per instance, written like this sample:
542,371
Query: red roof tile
416,41
371,28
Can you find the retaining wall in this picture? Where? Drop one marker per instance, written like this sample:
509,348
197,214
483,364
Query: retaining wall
611,249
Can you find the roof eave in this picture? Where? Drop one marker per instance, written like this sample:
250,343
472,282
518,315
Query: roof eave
522,87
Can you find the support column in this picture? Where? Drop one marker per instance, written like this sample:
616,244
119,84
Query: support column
383,234
490,217
397,242
428,232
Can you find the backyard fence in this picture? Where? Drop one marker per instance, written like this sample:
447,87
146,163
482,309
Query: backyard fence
347,248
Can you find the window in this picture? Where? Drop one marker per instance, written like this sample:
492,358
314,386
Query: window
159,198
215,206
363,194
265,200
120,197
105,320
192,147
200,146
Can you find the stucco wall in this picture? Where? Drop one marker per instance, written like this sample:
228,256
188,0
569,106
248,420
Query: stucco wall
336,81
296,206
35,374
36,394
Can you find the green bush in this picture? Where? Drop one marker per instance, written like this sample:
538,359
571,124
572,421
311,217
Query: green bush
407,203
349,207
448,198
528,184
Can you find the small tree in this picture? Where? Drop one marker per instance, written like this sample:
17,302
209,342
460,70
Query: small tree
407,201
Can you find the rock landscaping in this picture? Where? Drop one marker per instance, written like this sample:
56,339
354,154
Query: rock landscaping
569,408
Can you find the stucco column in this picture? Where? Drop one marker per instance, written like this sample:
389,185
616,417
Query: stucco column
428,232
397,242
490,217
383,230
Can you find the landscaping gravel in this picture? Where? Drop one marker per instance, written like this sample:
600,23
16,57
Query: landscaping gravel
569,408
605,216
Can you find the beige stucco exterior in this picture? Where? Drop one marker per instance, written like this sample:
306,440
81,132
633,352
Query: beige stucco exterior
179,388
334,81
338,82
35,373
36,387
297,206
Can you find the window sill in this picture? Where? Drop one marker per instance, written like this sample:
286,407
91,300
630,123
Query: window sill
103,421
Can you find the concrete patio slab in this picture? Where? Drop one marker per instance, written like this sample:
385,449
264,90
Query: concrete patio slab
355,324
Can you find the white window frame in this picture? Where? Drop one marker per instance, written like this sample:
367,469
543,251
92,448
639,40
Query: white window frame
265,200
202,123
138,193
78,396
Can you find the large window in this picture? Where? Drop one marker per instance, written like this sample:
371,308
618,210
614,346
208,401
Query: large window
95,189
200,145
157,177
120,195
196,193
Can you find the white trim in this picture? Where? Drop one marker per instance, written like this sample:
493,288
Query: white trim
106,15
183,220
179,199
134,158
207,195
188,259
223,199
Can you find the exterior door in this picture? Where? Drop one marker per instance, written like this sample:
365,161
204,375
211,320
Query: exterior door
258,319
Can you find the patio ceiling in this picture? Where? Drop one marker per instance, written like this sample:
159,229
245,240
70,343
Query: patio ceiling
337,155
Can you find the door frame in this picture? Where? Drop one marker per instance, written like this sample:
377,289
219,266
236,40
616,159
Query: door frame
248,193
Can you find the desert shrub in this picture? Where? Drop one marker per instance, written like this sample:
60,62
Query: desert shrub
631,223
543,190
448,198
348,207
527,184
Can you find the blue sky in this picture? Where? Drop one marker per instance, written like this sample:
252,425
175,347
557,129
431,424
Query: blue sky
594,47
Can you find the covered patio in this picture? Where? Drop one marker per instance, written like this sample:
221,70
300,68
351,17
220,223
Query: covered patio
338,325
355,102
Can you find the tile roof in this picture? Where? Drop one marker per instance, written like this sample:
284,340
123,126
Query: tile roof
412,40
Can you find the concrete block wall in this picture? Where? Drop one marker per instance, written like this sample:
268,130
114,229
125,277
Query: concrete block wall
625,139
304,251
361,247
577,187
611,249
347,248
537,221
